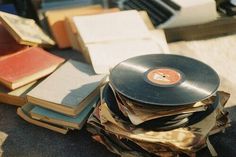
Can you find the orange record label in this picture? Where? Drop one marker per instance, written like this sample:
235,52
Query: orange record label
164,76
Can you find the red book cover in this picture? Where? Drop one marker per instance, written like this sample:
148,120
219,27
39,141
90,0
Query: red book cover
8,44
25,63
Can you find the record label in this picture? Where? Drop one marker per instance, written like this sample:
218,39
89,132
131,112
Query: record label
163,76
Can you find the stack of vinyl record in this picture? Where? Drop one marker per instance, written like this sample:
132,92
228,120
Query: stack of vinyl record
163,105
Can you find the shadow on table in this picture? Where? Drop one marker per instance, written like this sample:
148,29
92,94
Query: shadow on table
224,143
26,140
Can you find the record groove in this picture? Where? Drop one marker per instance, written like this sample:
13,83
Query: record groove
175,80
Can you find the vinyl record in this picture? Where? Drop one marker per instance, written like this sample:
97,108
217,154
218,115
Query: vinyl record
164,123
158,125
111,102
199,116
164,80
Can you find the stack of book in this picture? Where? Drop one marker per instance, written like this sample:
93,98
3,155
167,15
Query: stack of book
65,99
22,62
60,102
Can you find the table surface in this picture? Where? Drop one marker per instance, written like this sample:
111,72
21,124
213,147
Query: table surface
27,140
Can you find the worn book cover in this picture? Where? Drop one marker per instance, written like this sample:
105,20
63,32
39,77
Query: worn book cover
23,112
16,97
68,90
25,31
26,66
53,117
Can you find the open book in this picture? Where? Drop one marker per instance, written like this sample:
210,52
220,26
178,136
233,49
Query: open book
110,38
